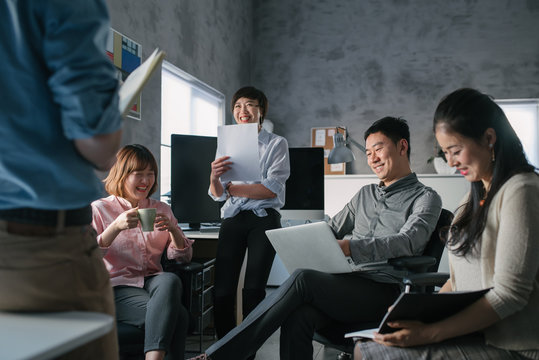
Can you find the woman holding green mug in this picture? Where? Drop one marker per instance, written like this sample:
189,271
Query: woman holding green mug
145,296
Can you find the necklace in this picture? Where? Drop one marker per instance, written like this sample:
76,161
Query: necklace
482,201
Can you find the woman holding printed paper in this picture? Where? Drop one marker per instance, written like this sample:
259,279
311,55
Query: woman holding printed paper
145,296
250,209
493,244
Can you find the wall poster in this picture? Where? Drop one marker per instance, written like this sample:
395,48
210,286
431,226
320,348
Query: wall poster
126,55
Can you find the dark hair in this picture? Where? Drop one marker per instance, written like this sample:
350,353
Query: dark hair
250,92
394,128
128,159
470,113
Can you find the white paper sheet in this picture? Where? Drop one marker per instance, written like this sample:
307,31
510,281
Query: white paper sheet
336,167
320,137
240,142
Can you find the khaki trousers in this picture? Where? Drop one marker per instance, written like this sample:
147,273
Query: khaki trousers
60,272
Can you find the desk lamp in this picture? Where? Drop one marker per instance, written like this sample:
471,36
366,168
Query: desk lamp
340,153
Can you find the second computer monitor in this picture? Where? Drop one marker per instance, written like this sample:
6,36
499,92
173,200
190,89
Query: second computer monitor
305,186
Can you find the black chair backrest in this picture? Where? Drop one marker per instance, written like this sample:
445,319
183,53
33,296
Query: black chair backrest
435,246
333,335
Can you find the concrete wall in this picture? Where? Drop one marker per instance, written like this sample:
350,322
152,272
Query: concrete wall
350,62
209,39
346,62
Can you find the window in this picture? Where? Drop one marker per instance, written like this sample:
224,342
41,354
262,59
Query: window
188,106
524,118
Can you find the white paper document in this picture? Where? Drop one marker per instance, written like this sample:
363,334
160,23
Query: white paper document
240,142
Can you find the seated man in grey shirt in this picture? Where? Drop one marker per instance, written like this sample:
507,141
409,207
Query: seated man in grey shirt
394,218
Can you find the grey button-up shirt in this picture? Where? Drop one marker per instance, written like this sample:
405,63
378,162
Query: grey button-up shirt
389,221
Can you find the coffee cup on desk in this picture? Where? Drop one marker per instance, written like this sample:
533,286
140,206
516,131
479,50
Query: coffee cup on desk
147,218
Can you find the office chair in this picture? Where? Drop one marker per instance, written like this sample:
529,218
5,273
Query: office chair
418,274
130,341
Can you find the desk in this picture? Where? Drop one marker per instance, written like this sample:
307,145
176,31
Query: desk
205,246
202,234
26,336
204,251
205,243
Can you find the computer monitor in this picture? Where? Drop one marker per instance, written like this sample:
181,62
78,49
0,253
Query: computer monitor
191,157
305,186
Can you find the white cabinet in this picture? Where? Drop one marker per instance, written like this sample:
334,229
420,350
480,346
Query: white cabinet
339,189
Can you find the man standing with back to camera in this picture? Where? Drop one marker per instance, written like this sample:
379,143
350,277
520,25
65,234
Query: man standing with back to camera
59,121
391,219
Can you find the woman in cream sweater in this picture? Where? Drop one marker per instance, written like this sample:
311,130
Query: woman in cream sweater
493,243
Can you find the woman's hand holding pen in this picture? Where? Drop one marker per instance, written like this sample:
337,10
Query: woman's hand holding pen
410,333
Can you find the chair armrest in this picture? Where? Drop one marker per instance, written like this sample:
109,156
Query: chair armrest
426,279
413,263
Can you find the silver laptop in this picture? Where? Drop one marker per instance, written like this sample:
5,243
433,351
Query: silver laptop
310,246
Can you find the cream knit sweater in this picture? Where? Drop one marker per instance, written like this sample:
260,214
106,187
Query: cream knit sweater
509,263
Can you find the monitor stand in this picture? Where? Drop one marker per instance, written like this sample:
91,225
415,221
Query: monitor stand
191,227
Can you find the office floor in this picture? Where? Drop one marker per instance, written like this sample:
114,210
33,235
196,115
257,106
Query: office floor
268,351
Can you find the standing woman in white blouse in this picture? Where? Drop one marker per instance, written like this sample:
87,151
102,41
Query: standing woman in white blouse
250,209
493,243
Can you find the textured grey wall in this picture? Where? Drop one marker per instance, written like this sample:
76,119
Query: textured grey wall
346,62
209,39
350,62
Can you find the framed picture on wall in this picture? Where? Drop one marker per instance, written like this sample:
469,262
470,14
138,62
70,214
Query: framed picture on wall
126,55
